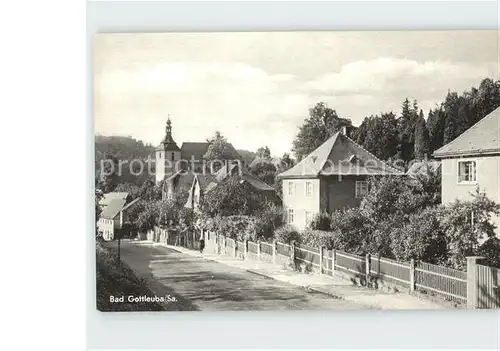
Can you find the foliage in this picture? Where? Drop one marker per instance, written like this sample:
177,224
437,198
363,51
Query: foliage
114,278
237,227
263,152
421,238
353,232
97,198
466,224
267,220
318,238
188,219
490,250
218,149
132,189
322,221
379,135
287,233
322,123
422,142
232,197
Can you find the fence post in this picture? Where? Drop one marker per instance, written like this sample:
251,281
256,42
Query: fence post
292,252
245,253
472,283
412,275
334,258
274,251
321,259
258,250
235,246
367,269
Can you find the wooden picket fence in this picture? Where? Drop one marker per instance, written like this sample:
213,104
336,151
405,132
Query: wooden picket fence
373,271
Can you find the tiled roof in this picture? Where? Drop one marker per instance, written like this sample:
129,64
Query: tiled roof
112,208
130,204
179,180
339,155
482,138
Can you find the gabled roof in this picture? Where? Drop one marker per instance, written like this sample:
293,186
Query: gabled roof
482,138
339,155
108,197
130,204
178,180
112,208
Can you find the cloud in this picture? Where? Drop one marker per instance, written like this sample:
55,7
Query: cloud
253,107
387,76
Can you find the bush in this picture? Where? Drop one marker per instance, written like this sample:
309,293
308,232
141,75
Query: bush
464,233
235,227
322,221
421,238
352,230
267,220
286,234
317,238
490,250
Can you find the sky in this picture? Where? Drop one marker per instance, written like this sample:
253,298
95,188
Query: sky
257,88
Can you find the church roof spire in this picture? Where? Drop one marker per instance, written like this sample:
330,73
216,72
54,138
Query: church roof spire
168,142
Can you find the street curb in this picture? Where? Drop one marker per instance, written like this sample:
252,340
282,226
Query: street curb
267,276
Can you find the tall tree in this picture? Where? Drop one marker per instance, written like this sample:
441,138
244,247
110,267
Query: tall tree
218,150
263,152
322,123
435,126
422,147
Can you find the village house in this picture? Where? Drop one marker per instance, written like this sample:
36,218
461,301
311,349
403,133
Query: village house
204,183
330,178
473,160
114,214
178,166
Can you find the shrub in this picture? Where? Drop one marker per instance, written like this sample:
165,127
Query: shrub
286,234
234,227
267,220
351,229
421,238
322,221
317,238
490,250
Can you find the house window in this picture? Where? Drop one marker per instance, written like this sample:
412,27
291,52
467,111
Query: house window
290,215
361,189
173,157
309,189
466,171
309,218
291,188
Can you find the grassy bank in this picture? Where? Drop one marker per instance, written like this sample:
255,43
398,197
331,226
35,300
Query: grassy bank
114,278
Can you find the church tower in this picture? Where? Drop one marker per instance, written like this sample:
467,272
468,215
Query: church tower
168,155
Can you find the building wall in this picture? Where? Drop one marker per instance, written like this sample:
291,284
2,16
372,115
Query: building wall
164,164
339,193
487,176
106,227
329,194
299,202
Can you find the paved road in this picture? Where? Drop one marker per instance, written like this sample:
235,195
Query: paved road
200,284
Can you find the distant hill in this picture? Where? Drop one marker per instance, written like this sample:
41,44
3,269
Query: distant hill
248,156
123,148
